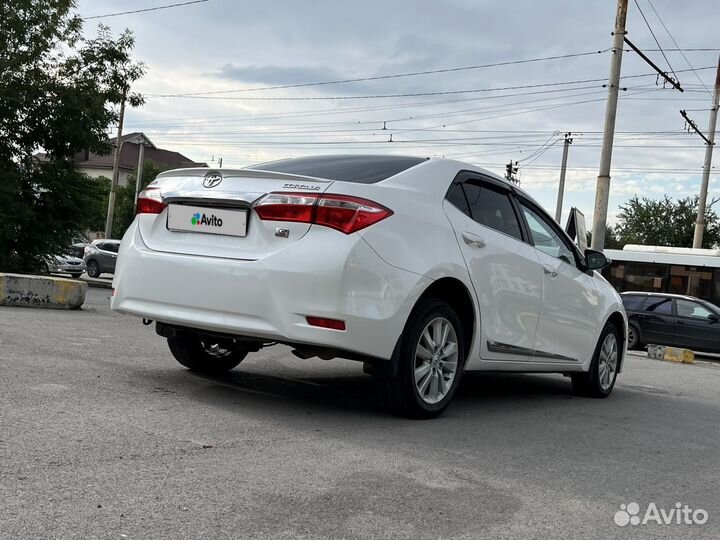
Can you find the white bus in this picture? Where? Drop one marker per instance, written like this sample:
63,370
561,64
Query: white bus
665,269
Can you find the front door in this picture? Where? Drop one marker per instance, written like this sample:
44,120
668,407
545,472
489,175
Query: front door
697,327
569,319
503,268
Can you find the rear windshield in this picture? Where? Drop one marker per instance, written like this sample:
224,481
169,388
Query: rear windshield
633,303
358,169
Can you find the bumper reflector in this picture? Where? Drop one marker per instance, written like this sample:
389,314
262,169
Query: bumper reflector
333,324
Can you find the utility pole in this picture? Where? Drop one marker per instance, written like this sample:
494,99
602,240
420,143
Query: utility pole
602,191
710,143
115,173
138,174
511,170
563,168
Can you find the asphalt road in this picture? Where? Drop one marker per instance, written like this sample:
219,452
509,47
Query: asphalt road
103,435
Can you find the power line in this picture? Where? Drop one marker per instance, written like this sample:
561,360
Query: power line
413,94
655,38
393,76
678,46
179,4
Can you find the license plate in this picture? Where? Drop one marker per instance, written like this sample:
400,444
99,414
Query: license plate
225,221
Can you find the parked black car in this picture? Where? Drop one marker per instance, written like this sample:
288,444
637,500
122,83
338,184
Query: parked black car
672,319
101,256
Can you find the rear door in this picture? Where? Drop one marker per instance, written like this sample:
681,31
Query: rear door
569,319
695,329
657,321
503,268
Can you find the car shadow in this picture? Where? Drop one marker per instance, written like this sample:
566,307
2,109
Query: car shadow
358,393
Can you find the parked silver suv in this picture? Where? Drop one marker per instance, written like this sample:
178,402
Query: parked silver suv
101,256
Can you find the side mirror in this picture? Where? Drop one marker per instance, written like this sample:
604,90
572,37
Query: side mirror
713,318
595,260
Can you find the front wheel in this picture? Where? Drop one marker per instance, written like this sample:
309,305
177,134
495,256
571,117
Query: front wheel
93,270
600,380
430,362
205,355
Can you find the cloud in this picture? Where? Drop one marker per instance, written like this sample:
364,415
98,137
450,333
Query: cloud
277,75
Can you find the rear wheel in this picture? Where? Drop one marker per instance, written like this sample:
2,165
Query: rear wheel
204,354
633,337
430,362
93,269
600,380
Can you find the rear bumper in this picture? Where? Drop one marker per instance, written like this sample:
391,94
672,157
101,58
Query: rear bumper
324,274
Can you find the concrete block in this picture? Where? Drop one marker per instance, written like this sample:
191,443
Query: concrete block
41,291
671,354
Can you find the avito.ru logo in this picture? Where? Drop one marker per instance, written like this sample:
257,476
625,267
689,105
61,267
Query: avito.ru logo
629,514
203,219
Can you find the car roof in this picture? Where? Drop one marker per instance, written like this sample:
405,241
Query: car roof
659,295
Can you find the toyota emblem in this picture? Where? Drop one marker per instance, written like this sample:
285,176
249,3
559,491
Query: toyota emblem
212,179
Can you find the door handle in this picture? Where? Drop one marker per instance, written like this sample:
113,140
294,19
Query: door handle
550,271
473,240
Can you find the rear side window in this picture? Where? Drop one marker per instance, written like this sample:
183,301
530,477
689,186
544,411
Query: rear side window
457,198
492,209
658,305
633,303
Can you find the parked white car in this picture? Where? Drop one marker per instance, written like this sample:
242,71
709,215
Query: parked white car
420,268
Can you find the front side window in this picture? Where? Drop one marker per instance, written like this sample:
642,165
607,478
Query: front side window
687,308
492,208
545,238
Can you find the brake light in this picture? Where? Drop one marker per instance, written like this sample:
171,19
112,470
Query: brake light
322,322
343,213
150,202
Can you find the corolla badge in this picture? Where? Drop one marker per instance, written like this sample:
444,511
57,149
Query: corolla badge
212,179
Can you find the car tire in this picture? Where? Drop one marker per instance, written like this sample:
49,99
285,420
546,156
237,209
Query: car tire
600,380
633,337
428,367
75,275
202,355
93,269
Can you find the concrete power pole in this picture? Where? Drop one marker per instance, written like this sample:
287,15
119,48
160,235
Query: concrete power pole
138,174
707,165
115,173
561,187
602,191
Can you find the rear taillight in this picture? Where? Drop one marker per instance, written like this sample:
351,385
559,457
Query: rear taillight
150,201
340,212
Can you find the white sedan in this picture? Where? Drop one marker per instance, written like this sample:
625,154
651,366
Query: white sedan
420,268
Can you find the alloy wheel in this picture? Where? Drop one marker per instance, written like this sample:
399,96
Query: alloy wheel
608,362
436,360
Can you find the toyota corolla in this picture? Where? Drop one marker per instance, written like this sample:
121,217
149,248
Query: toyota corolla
422,269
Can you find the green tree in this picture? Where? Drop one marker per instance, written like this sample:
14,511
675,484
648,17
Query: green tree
125,197
665,222
611,240
57,96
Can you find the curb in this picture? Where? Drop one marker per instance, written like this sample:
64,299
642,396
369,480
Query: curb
41,291
671,354
96,283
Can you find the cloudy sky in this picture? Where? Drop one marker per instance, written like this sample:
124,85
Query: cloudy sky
209,66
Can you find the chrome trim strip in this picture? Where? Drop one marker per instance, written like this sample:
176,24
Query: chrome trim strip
216,198
505,348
